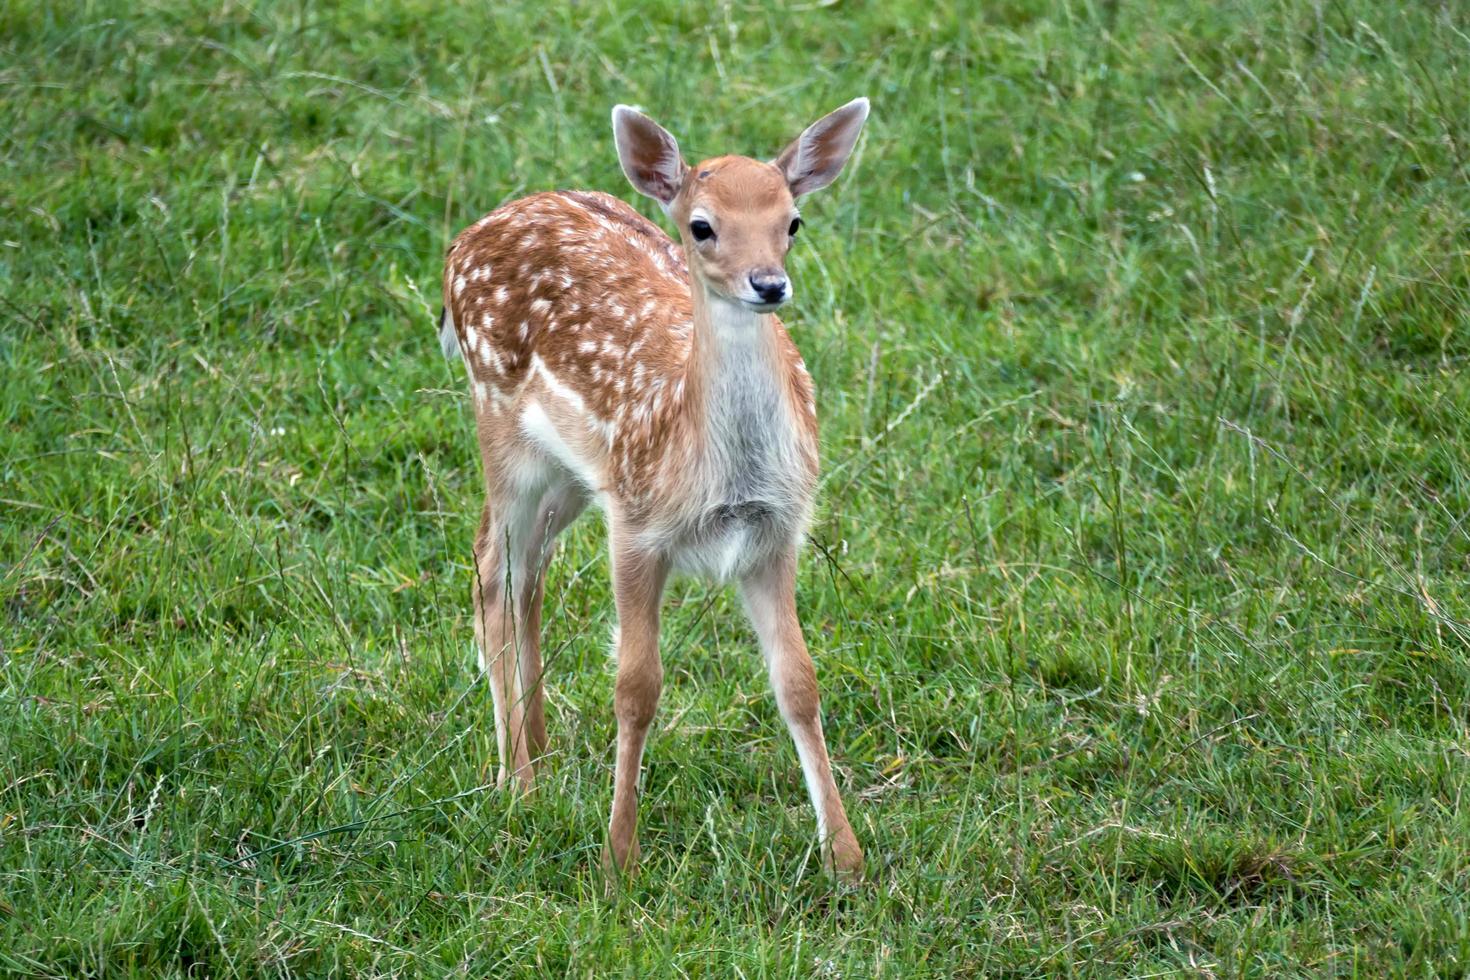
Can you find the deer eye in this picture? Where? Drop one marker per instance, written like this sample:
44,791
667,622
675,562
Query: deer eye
701,230
795,227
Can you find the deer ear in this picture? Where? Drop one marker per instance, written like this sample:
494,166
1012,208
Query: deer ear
649,155
815,158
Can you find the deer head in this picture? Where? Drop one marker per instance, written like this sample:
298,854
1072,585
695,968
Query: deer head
737,217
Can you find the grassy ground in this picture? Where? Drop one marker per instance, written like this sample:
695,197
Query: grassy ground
1140,334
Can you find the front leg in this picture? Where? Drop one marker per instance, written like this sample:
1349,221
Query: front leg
638,583
770,599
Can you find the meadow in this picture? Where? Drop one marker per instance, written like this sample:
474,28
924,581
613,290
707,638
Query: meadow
1137,592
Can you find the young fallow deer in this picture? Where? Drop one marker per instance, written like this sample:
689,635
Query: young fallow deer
610,365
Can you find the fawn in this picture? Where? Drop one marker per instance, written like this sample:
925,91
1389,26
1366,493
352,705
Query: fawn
610,365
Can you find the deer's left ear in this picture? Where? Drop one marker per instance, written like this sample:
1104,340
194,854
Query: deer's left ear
816,157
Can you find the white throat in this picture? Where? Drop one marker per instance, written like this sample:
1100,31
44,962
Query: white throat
731,321
749,426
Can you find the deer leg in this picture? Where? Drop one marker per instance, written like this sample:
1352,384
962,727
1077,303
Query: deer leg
496,629
770,600
529,669
558,507
638,581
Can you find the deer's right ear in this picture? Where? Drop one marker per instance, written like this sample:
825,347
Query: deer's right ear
649,155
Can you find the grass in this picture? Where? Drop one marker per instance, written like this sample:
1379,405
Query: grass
1140,335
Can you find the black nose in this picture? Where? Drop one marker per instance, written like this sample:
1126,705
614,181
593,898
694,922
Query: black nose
769,286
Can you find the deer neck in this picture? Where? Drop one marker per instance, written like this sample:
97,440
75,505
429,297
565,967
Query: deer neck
722,323
738,378
733,348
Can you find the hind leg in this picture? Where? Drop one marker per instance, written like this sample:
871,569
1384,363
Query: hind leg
557,508
498,625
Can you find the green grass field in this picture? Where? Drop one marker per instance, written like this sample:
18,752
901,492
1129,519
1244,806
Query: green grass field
1137,593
